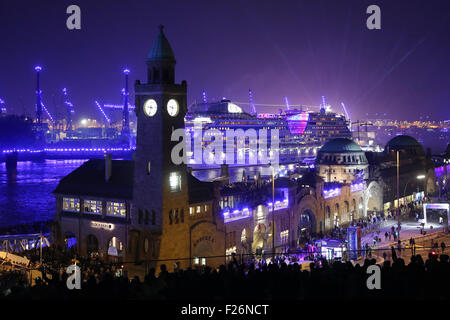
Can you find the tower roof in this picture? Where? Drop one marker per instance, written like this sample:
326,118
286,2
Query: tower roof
403,142
340,145
161,49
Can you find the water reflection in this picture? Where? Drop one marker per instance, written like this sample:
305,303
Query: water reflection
26,193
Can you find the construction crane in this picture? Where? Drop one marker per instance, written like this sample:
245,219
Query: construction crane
70,110
126,114
250,96
108,121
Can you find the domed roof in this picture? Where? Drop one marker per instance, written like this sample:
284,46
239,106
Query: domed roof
402,142
340,145
161,49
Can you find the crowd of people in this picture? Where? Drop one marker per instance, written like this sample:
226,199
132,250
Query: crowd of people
255,280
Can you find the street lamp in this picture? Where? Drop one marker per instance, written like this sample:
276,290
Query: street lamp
398,196
273,212
419,177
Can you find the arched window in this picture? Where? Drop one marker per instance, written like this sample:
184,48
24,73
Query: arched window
146,216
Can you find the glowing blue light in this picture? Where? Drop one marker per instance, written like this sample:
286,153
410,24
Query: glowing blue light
48,113
37,68
331,193
115,106
126,71
103,112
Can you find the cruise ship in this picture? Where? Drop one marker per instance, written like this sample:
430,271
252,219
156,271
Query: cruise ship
301,133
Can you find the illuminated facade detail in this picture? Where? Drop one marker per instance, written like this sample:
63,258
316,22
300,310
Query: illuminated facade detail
71,204
336,192
116,209
93,206
236,214
355,187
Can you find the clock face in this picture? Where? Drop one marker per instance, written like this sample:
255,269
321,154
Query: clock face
173,107
150,107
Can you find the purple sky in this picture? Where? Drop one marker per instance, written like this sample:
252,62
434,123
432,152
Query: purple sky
298,49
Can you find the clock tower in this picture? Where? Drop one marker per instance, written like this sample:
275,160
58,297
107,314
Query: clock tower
160,193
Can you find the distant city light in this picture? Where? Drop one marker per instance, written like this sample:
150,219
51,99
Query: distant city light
84,122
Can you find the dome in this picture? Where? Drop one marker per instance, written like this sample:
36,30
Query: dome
340,145
403,142
161,49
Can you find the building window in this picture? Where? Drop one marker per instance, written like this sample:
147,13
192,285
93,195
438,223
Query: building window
175,182
206,208
170,216
176,215
93,206
116,209
284,235
153,217
230,251
139,216
71,204
182,215
199,209
145,245
146,216
191,211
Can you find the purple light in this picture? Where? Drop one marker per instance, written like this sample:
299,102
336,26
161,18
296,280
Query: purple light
236,215
126,71
331,193
297,123
38,68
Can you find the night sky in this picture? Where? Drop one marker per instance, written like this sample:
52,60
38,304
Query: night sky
298,49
